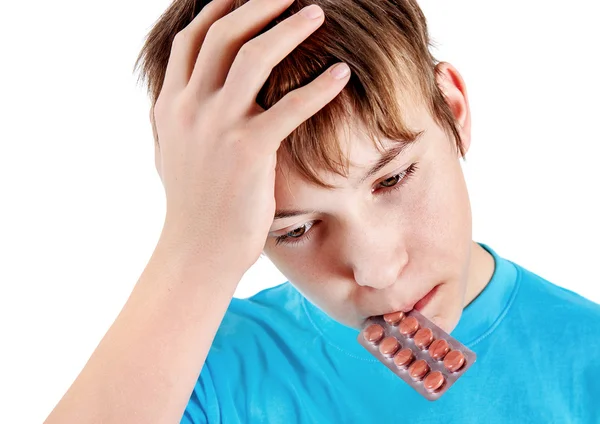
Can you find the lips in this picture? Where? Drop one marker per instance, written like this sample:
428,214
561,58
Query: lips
418,305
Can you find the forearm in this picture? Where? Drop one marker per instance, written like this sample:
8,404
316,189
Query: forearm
145,367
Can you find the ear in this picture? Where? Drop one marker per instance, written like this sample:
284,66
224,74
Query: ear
454,89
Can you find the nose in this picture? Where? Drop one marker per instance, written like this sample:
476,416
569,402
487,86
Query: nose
379,273
377,258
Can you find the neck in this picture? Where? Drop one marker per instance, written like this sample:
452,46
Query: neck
481,269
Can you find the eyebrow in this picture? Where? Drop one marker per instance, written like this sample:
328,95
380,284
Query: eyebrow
290,213
386,157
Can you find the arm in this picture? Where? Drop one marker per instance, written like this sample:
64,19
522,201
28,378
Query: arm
145,367
216,156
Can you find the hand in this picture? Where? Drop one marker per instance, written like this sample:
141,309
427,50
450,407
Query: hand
216,150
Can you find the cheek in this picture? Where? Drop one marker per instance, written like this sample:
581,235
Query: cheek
302,265
308,273
429,218
439,225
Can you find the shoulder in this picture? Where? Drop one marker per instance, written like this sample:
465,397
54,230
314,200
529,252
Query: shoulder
272,315
253,338
545,311
554,301
561,330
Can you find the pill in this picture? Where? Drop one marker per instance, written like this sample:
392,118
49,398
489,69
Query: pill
434,381
403,358
423,338
393,318
438,349
389,346
408,326
373,333
454,360
418,369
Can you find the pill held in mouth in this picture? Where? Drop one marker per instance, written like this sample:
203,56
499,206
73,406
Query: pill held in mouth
393,318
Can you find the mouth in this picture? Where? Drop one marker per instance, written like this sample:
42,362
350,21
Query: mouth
418,304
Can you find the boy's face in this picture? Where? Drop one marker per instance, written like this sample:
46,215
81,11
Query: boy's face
383,244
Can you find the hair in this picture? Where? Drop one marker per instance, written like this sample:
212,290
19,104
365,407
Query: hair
385,43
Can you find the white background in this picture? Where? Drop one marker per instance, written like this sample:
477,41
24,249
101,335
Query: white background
82,205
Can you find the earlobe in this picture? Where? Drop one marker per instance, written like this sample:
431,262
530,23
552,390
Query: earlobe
454,89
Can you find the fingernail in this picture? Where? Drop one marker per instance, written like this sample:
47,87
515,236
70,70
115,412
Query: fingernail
340,70
312,12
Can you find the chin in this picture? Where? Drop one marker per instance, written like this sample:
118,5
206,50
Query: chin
355,322
447,319
445,309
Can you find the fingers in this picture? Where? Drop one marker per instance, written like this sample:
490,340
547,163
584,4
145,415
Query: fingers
226,36
186,44
296,107
259,56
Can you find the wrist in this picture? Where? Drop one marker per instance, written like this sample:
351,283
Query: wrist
211,262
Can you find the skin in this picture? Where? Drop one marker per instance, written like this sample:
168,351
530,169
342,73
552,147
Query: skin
376,247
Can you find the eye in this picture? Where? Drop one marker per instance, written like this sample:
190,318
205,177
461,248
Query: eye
392,181
302,233
397,179
298,232
295,236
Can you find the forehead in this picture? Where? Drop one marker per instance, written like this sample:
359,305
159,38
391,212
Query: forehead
358,150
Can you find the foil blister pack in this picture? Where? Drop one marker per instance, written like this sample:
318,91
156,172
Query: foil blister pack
417,351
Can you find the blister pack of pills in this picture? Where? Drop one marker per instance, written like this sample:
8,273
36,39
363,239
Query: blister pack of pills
417,350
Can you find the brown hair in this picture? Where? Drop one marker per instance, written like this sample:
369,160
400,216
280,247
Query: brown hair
385,43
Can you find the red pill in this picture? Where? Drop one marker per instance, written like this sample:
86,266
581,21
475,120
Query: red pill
408,326
418,369
434,381
393,318
403,358
373,333
389,346
423,338
454,360
439,349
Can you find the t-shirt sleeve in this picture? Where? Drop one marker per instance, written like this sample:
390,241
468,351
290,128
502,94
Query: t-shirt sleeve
203,406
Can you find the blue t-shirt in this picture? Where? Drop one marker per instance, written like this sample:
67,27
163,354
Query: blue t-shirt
277,358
